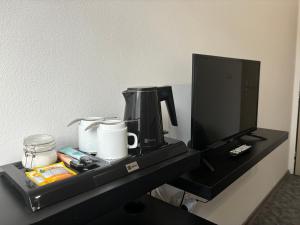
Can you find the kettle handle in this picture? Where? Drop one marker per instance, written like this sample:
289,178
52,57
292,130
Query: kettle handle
165,94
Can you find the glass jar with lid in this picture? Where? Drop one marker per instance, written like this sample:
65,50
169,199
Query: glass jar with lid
39,150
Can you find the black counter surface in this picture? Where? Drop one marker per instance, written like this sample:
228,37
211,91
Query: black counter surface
90,205
150,211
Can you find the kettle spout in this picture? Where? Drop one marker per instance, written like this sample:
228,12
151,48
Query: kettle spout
126,94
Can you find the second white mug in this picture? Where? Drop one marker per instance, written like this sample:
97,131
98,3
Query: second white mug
113,140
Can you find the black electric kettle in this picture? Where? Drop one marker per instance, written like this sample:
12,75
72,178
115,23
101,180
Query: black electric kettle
143,105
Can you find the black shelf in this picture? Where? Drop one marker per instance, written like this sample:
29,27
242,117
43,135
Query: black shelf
207,184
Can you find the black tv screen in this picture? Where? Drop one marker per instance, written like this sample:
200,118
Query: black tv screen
224,98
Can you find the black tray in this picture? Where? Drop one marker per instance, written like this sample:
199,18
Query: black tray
38,197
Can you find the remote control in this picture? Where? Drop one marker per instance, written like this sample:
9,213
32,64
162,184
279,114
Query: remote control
240,150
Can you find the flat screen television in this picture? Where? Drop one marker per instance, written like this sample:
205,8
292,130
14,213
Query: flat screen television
224,99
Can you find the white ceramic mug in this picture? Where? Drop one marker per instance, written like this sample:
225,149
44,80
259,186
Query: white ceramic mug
113,140
87,139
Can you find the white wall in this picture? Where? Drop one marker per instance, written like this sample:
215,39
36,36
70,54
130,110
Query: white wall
63,59
295,102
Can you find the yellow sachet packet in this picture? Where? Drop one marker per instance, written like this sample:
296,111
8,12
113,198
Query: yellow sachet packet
36,178
55,172
49,174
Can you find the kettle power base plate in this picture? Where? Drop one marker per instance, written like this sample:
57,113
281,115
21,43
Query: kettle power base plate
39,197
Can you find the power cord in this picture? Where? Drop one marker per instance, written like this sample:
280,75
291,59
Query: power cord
183,195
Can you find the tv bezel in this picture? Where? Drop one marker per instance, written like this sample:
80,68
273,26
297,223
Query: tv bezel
233,136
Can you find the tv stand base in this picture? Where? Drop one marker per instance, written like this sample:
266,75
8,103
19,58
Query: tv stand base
207,164
256,136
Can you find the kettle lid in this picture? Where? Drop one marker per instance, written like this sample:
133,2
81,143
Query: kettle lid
142,88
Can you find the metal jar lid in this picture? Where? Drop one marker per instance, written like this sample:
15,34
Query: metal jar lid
39,143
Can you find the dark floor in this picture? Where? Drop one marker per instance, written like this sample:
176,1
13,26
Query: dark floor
282,207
